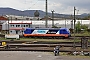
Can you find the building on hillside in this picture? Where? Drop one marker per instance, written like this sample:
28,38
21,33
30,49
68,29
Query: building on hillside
14,17
36,17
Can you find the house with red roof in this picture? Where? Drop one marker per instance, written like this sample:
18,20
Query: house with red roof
2,20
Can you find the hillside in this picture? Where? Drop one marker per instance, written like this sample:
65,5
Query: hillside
11,11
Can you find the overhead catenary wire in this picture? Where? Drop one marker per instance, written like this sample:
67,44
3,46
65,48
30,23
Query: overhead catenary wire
32,4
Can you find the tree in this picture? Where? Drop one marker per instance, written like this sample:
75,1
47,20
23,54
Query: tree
84,27
80,27
55,27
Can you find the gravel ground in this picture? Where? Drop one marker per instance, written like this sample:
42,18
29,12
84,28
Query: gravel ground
25,55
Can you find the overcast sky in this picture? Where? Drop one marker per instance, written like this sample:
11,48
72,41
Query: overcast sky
59,6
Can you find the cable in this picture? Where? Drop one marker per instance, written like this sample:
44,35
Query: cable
33,4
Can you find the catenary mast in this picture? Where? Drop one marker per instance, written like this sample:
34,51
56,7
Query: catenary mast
46,16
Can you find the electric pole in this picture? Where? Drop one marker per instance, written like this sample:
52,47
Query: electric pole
52,18
8,25
74,27
46,15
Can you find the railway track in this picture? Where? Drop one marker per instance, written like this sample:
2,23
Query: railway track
40,42
64,47
72,37
44,49
17,45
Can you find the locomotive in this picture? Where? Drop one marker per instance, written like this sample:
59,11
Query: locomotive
47,32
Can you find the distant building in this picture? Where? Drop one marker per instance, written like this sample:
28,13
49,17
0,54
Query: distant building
2,20
36,17
49,18
16,27
14,17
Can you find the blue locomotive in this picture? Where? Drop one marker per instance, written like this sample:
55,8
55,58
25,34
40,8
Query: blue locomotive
47,32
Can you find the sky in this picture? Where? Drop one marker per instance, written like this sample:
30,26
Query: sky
59,6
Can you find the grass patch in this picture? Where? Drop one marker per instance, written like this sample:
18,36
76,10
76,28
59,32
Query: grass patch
44,40
49,40
81,34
